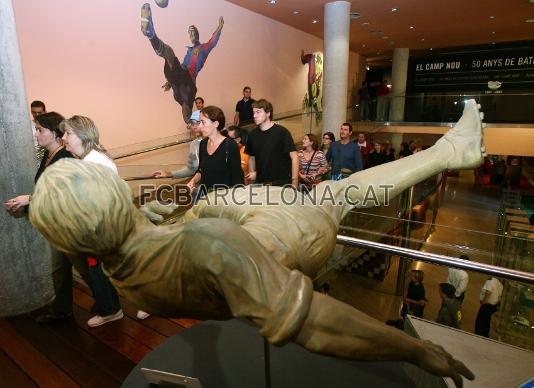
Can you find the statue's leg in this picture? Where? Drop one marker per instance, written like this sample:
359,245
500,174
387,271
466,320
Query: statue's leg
460,148
147,28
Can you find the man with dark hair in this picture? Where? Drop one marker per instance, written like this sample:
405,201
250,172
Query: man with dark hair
365,148
345,155
199,103
181,77
37,108
243,108
273,156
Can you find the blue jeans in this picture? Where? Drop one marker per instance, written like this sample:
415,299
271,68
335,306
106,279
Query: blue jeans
106,297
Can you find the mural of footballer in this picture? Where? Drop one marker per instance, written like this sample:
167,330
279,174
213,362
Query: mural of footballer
181,77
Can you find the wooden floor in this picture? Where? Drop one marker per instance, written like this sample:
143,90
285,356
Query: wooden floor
70,354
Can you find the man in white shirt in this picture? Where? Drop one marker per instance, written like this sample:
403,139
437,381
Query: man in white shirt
490,297
459,279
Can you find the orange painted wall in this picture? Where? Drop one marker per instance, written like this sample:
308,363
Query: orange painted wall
90,58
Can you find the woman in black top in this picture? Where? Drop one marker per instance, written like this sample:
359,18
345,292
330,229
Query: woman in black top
49,137
219,159
415,298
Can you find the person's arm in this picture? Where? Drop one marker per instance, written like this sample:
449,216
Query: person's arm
194,181
236,118
15,205
251,176
236,172
462,286
294,169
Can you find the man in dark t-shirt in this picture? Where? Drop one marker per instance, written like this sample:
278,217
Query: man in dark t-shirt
243,108
273,157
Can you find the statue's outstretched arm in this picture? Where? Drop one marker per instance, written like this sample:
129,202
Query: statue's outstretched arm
335,328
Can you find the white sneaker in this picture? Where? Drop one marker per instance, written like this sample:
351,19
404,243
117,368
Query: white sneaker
98,320
142,314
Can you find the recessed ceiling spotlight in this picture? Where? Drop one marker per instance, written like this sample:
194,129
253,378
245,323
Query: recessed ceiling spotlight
430,48
354,15
492,17
394,9
422,39
367,67
295,12
492,32
493,43
531,20
365,24
271,1
315,21
385,37
412,27
363,45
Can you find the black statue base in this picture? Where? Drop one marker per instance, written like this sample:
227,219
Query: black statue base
231,354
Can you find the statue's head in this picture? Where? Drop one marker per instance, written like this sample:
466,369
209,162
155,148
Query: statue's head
82,207
193,34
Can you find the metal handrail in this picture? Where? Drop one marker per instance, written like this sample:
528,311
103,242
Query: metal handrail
154,148
433,258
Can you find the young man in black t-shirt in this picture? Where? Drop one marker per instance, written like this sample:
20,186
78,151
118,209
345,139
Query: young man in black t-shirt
273,157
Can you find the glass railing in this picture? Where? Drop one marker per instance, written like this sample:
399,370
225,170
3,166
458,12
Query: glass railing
450,216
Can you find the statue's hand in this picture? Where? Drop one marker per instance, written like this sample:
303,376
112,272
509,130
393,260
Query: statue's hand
221,23
466,139
166,86
154,211
436,360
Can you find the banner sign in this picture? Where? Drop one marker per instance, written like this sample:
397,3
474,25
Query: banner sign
483,73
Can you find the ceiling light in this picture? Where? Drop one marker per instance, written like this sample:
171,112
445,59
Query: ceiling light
354,15
493,43
492,32
295,12
531,20
394,9
271,1
363,45
492,17
430,48
391,43
367,67
412,27
385,37
422,39
378,53
365,24
315,21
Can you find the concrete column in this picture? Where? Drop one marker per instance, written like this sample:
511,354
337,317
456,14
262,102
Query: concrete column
25,276
399,75
336,64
